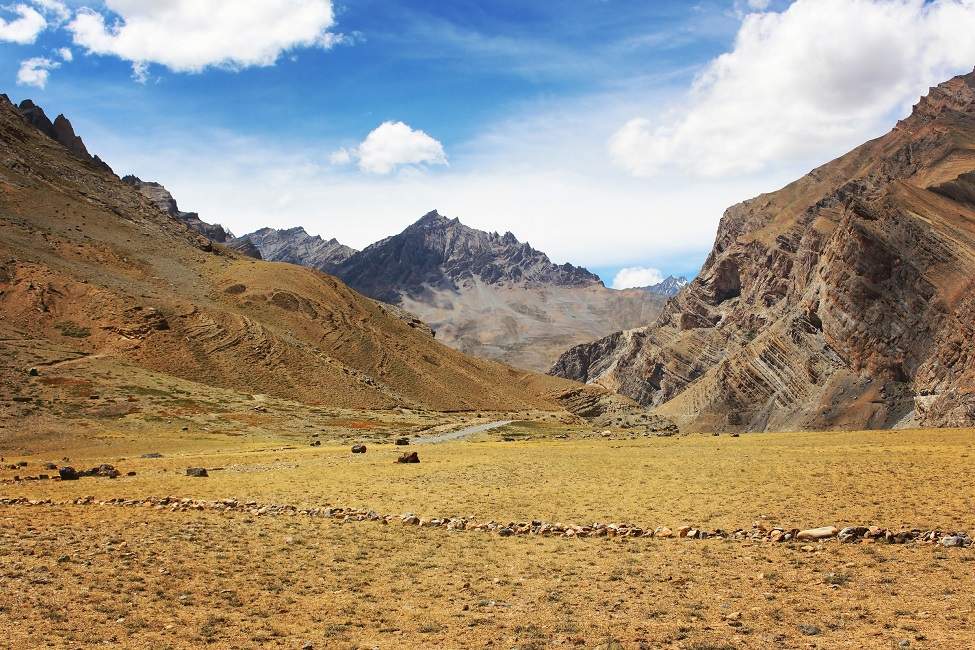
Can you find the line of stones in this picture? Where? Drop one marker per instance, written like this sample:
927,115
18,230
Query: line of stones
758,532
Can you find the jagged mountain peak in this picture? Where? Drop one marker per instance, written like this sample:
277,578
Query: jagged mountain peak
60,130
296,246
956,94
163,199
669,287
440,252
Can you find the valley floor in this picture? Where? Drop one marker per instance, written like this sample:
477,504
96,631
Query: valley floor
84,571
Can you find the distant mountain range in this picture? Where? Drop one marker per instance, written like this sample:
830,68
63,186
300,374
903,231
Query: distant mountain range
483,293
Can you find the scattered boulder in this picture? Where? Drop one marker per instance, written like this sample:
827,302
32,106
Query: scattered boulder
316,443
359,449
104,470
813,534
33,372
402,441
409,457
199,472
68,474
50,466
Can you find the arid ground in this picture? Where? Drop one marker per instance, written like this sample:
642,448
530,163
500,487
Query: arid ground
141,573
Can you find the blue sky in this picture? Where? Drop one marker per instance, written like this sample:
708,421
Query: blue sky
608,133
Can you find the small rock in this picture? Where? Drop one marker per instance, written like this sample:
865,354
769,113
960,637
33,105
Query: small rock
409,457
198,472
33,372
683,531
152,455
905,643
68,474
506,532
663,531
814,534
316,443
810,630
358,449
402,441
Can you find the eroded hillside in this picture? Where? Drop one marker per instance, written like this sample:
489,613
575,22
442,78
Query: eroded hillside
846,299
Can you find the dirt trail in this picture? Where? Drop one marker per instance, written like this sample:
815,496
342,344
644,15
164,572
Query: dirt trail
462,433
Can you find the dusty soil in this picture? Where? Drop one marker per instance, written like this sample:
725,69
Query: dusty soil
138,576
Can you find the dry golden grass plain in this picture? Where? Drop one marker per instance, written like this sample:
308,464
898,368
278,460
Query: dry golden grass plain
76,576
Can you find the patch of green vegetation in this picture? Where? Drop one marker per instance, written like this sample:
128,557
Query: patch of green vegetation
72,329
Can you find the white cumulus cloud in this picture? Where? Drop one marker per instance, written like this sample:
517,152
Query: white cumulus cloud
392,145
24,28
802,84
637,276
66,54
191,35
35,71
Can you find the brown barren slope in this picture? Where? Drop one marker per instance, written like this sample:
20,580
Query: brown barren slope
844,300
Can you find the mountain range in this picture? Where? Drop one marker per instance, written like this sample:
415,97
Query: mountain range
107,281
844,300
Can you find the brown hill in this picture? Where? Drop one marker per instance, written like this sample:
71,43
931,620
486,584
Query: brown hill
843,300
91,269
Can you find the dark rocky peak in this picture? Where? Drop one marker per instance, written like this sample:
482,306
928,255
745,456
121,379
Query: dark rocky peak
60,131
65,135
438,252
36,116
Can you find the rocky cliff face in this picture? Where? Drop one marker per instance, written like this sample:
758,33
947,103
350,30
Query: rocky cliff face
296,246
437,252
846,299
162,199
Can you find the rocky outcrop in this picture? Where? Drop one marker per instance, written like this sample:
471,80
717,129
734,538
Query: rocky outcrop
162,199
60,131
844,300
296,246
